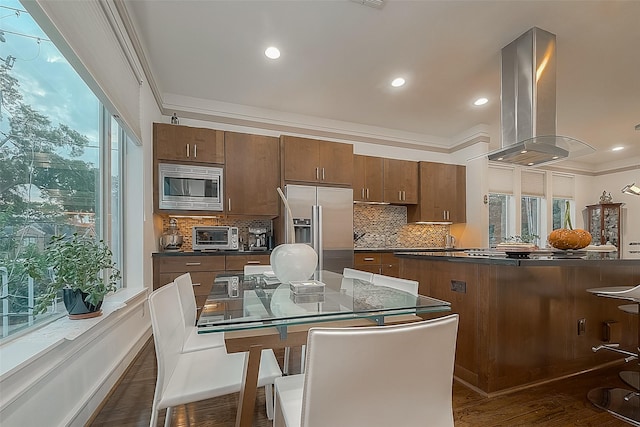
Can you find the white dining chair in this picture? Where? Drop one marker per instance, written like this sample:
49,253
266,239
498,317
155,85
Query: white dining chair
349,369
197,375
409,286
192,340
350,273
251,269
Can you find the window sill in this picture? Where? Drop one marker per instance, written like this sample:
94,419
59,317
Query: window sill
31,346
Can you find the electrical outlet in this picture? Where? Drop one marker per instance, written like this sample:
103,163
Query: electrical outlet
582,326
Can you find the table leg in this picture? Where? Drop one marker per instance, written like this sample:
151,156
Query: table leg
249,388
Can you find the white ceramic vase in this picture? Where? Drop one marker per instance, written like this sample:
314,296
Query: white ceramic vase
293,262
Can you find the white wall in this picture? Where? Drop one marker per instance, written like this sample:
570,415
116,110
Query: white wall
612,183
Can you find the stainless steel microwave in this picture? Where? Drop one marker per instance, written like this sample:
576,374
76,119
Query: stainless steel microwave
189,187
214,238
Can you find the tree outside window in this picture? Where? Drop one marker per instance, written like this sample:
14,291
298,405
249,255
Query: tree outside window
51,151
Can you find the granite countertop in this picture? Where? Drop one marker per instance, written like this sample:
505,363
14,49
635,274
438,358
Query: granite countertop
405,249
541,258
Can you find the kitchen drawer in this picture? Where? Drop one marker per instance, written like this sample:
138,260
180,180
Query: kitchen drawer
367,258
182,264
237,262
202,280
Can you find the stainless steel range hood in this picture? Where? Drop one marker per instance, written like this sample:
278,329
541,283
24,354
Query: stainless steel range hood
528,104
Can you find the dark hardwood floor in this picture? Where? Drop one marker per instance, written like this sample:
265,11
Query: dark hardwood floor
557,404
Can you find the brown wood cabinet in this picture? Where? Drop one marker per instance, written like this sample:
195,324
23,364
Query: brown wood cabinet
604,224
368,173
367,261
519,324
390,265
318,162
400,182
442,194
237,262
203,270
187,144
384,263
252,174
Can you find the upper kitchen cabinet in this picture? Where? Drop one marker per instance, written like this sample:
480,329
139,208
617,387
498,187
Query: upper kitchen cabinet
252,174
367,178
188,144
442,194
400,182
318,162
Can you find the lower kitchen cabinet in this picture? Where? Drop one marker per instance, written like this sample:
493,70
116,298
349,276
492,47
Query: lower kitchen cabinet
390,265
378,263
203,270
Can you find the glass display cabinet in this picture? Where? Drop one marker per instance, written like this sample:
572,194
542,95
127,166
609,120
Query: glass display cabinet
604,224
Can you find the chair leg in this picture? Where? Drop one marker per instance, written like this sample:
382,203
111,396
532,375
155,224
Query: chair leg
167,419
278,418
154,416
285,369
268,397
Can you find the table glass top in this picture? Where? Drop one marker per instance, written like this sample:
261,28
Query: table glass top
238,302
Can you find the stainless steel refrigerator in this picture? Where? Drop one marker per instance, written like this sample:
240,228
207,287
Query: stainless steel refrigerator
323,218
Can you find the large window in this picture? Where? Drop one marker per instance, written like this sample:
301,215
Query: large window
530,221
60,161
501,224
559,212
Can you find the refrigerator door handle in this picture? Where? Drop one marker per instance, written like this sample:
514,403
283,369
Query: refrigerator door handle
316,219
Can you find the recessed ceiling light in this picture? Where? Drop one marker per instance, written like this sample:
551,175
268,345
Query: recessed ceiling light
397,82
272,52
480,101
617,148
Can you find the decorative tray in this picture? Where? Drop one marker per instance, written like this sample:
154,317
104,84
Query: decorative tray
307,287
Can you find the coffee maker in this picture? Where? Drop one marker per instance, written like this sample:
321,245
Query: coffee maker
257,239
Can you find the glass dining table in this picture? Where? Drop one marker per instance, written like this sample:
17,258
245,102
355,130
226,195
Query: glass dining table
257,312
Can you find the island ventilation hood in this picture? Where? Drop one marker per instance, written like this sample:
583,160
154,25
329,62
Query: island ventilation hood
528,104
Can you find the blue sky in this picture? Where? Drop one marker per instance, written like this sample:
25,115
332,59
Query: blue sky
48,83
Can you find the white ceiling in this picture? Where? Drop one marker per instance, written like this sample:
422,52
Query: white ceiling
338,58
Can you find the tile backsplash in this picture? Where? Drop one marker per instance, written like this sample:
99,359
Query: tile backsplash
185,225
385,226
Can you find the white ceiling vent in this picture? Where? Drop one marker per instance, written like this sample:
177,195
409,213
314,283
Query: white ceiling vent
376,4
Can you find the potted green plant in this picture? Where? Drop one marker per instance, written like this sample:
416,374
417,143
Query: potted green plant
82,268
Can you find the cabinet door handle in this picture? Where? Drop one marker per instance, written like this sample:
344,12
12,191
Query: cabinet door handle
229,205
404,195
193,263
323,174
368,259
362,193
253,262
195,284
195,150
187,150
399,195
367,194
317,173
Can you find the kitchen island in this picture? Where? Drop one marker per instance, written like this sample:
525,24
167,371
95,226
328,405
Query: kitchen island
527,320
